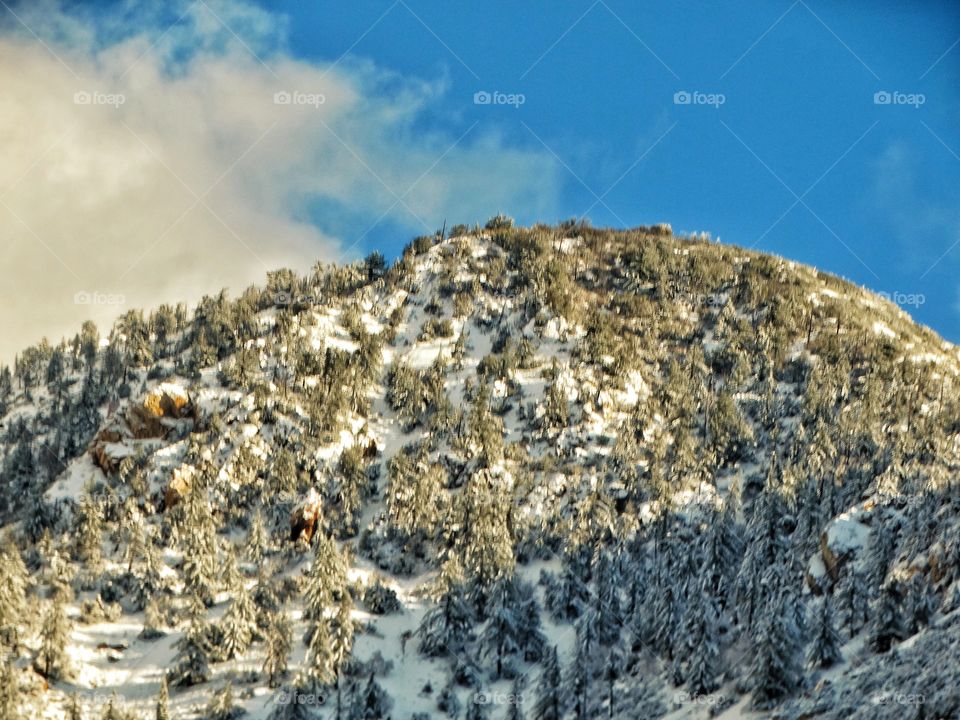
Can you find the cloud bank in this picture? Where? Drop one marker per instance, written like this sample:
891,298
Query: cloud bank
151,159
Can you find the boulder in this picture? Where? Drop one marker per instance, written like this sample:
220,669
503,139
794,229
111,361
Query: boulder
162,409
843,540
306,518
178,486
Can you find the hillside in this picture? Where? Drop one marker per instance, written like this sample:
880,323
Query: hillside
532,473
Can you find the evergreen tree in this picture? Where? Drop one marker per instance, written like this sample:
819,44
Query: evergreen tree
376,703
703,663
13,586
446,627
886,626
52,659
852,604
328,576
824,651
256,539
221,706
515,707
239,623
279,643
320,663
501,637
163,701
193,662
199,545
10,694
550,703
775,672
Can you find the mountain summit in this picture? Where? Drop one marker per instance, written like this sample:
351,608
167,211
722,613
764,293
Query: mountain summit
541,473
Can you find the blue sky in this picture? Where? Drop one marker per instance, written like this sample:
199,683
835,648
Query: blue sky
825,132
798,160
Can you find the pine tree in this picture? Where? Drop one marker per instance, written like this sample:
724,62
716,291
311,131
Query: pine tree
328,576
550,703
501,637
239,623
376,701
52,658
221,706
163,701
581,674
13,585
199,545
256,539
193,664
886,627
10,694
279,643
515,709
702,642
341,639
320,660
477,711
89,530
445,628
774,673
852,604
824,649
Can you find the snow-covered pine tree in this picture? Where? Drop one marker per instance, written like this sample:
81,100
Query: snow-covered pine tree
10,693
52,660
501,636
327,578
446,627
13,586
320,662
222,705
851,596
193,662
702,642
886,624
551,701
824,651
341,635
163,701
279,636
256,539
239,624
776,669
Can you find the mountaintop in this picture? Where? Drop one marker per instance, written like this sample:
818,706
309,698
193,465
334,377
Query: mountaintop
538,473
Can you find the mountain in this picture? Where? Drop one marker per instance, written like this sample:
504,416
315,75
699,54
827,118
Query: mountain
534,473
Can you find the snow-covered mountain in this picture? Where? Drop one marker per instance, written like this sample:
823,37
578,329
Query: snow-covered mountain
532,473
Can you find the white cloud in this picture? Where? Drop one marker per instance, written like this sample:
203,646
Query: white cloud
151,161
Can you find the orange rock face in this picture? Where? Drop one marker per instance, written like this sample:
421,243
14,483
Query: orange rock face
153,418
306,518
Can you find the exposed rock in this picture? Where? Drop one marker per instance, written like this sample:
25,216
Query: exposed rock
178,486
843,540
162,409
306,517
